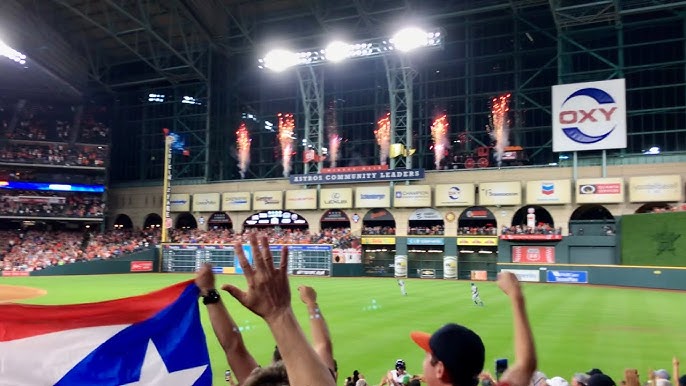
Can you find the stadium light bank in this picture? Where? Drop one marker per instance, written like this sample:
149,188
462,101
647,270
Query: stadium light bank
405,40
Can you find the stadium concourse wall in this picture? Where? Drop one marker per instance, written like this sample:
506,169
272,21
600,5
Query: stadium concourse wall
142,261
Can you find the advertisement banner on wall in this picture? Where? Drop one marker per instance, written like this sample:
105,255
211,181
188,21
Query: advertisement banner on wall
555,276
351,177
372,197
425,214
656,189
336,198
400,265
530,275
478,275
500,193
484,240
411,196
450,267
589,116
141,266
206,202
454,195
268,200
347,255
425,241
301,199
549,192
533,254
236,201
378,240
599,190
180,202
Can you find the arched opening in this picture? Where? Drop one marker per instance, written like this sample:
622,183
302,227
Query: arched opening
186,221
334,219
152,220
276,219
426,222
591,220
335,226
219,220
655,207
531,219
378,222
592,212
122,221
477,220
477,244
378,254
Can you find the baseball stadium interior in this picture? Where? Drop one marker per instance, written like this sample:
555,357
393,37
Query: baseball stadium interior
430,139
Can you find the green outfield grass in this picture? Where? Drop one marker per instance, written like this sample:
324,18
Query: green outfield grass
576,327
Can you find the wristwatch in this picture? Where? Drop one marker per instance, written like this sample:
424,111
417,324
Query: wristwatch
211,297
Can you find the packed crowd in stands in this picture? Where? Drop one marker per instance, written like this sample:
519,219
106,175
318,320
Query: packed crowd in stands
669,208
35,250
435,230
13,173
540,229
51,154
45,122
51,204
488,230
338,237
378,230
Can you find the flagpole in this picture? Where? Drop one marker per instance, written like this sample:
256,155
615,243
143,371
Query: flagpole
166,188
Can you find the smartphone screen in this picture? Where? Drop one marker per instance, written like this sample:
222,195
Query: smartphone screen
500,367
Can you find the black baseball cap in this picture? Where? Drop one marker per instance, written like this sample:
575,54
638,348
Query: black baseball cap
460,349
600,380
593,372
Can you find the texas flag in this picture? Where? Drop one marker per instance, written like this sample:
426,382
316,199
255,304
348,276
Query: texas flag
152,339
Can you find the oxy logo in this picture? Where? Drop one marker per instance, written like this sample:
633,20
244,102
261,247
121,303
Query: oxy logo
588,125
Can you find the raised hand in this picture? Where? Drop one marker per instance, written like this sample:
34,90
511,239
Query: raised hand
307,294
268,294
509,284
204,279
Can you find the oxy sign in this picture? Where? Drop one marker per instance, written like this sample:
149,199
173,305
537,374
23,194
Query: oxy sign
589,116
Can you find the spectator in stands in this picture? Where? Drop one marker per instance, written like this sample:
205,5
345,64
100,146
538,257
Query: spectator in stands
455,354
580,379
600,379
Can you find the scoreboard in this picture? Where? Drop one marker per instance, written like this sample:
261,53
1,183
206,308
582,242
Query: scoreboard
302,259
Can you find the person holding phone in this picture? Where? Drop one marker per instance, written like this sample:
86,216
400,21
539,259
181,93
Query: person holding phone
455,354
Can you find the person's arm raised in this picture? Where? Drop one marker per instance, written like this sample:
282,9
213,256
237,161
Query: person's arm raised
321,339
269,296
525,362
225,329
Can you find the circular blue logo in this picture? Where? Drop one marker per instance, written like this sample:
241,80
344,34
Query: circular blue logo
584,125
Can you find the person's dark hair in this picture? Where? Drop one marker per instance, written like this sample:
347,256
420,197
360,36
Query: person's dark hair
415,382
272,375
682,380
356,376
277,354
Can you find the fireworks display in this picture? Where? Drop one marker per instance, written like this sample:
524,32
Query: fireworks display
286,131
383,137
334,138
500,124
439,134
243,147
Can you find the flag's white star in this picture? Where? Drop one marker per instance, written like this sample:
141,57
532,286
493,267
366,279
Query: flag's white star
154,371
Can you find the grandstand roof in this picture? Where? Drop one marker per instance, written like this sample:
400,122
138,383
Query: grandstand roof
114,44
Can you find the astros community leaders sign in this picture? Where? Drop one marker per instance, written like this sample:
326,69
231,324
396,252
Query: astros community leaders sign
371,176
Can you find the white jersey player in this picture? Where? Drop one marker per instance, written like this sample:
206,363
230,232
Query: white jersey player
401,283
475,296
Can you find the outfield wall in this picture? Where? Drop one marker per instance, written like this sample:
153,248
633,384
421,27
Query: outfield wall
614,275
143,261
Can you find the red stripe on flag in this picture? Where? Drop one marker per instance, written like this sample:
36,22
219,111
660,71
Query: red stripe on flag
19,321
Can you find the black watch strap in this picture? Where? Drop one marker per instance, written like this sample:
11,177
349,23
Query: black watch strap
211,297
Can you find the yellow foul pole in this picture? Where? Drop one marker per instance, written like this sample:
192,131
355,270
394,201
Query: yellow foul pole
166,187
